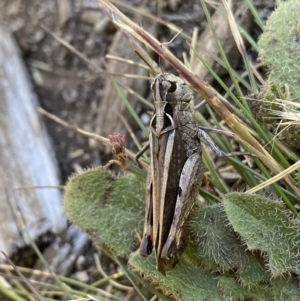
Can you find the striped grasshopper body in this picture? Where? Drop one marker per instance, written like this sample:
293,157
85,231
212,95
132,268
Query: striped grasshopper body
175,173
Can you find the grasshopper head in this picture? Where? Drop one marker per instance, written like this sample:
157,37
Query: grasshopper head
170,88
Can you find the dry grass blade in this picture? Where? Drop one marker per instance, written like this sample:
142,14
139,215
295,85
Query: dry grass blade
111,277
276,178
61,187
240,44
28,284
88,61
112,57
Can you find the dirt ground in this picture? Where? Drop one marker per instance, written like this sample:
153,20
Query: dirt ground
65,85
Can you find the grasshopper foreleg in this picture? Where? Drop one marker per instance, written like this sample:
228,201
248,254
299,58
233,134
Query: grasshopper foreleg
140,153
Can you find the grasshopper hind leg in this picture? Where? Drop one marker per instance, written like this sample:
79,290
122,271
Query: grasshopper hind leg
147,239
190,182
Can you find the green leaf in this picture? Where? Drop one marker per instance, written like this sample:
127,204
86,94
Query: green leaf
215,238
109,208
279,46
185,282
285,289
264,226
235,292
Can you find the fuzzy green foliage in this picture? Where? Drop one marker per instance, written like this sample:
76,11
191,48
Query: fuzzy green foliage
109,208
279,50
279,46
184,282
216,239
264,104
264,226
233,291
285,289
216,264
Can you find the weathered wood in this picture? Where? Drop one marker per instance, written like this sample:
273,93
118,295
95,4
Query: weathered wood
26,158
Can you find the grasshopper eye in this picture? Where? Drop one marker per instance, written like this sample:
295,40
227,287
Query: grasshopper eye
172,87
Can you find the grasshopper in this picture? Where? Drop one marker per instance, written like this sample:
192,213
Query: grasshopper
175,173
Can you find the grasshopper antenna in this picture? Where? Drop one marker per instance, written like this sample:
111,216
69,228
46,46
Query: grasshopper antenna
167,43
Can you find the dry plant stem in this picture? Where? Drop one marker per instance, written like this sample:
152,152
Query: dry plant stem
142,53
240,44
49,275
70,47
127,61
129,129
111,162
61,187
146,14
88,61
204,89
88,134
111,277
276,178
28,284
